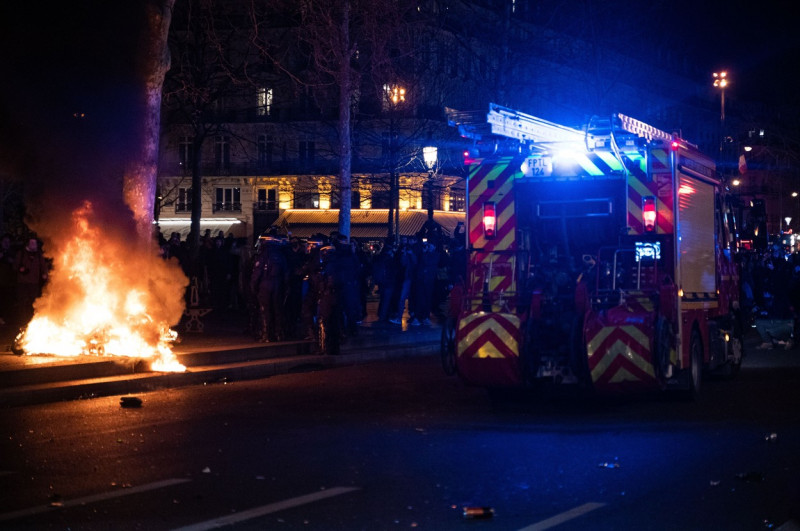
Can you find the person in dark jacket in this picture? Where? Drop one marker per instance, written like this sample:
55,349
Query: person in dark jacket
424,283
32,271
296,260
385,271
346,273
270,274
8,279
408,267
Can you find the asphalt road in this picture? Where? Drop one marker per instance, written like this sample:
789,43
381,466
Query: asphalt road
398,445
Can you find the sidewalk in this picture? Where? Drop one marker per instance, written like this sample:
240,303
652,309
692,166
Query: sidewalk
221,353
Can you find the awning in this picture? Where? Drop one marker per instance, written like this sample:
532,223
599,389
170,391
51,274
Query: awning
184,225
369,224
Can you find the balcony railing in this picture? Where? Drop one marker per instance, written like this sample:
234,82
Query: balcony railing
227,207
265,206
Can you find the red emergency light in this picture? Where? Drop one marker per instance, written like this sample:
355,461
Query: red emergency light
649,213
675,145
489,220
469,156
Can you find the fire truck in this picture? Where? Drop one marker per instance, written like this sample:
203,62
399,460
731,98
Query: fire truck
604,255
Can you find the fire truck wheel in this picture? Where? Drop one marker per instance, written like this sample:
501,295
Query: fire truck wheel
447,347
696,366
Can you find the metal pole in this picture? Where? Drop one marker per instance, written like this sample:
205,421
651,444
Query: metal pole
430,195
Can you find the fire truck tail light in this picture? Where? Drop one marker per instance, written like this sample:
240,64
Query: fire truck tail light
675,145
649,213
489,220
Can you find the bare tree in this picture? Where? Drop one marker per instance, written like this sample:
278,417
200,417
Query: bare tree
348,41
210,61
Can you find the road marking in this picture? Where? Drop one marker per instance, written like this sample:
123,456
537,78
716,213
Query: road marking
267,509
91,499
563,517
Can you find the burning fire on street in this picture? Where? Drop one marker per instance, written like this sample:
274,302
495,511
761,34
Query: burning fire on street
106,297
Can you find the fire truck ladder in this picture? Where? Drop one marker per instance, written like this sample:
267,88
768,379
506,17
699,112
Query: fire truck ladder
526,128
642,129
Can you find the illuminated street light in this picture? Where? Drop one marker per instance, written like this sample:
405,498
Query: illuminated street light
721,81
430,155
394,95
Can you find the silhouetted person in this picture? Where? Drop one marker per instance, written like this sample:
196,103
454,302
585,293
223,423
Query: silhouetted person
31,270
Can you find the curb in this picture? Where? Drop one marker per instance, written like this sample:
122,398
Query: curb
209,365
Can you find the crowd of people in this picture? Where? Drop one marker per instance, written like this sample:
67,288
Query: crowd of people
304,289
771,295
288,288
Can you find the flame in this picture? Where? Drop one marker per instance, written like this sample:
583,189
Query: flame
107,298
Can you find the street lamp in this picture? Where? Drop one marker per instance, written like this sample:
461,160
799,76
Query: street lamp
430,156
721,81
395,95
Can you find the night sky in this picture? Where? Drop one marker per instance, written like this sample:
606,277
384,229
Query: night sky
67,98
77,57
757,42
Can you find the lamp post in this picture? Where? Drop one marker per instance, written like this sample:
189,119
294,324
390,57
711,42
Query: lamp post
430,156
394,96
720,82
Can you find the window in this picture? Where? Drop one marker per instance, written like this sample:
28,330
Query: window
393,96
184,203
265,147
267,199
264,101
457,202
222,152
306,150
228,200
186,152
380,198
306,200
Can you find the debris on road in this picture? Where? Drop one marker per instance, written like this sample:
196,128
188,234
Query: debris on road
130,401
478,513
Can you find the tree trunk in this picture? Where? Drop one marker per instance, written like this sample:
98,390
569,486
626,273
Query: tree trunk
139,187
345,148
193,239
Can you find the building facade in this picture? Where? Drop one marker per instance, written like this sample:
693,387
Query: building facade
263,148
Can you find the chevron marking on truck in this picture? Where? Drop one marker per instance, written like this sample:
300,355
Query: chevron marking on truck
659,160
488,335
620,353
501,266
